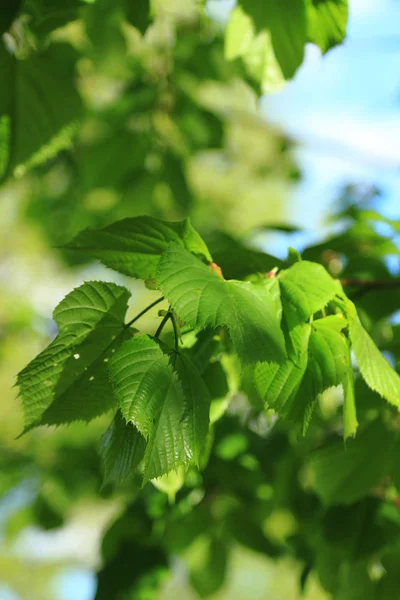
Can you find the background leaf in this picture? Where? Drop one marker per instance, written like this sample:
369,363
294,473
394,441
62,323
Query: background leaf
346,473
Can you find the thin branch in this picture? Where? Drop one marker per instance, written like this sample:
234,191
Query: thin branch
368,285
371,283
176,335
161,326
144,311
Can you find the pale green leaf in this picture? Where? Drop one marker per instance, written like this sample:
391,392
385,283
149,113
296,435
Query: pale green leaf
327,22
133,246
306,288
374,368
239,34
344,474
69,380
121,449
151,397
203,299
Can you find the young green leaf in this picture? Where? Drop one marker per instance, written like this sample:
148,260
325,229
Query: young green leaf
203,299
346,474
277,384
374,368
134,246
122,448
328,366
151,397
69,380
306,288
327,22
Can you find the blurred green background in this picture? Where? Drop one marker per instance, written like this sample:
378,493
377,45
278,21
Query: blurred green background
158,122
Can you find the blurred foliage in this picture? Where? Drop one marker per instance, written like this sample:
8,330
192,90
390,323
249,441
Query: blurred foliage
111,110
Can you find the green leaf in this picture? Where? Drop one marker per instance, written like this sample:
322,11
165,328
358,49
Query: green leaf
151,397
277,384
288,28
286,22
134,246
203,299
346,474
122,448
69,380
41,103
328,366
196,416
236,260
208,565
138,14
306,288
327,22
374,368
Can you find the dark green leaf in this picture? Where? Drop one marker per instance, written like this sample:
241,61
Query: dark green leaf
122,448
151,397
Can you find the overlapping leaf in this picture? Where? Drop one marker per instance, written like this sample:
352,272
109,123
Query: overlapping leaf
202,299
134,246
280,30
278,384
328,366
327,22
306,288
374,368
150,396
122,448
69,380
197,407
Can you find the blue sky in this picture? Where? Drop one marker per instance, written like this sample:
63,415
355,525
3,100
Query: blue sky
344,109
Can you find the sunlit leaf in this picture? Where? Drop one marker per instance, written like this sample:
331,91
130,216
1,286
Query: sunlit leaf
202,299
69,380
134,246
